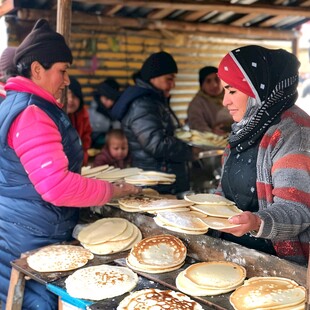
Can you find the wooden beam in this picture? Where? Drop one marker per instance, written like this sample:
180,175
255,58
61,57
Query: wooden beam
193,16
245,19
113,9
271,22
305,3
64,16
209,6
177,26
159,14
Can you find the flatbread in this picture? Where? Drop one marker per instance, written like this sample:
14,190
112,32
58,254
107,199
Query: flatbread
149,179
218,223
115,245
268,293
208,199
157,252
186,286
160,223
136,202
151,299
225,211
100,282
184,220
216,275
102,230
159,174
162,204
92,171
59,258
153,270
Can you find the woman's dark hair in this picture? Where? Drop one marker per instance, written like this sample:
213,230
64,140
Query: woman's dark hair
24,68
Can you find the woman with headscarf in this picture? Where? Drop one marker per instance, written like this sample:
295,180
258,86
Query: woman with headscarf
267,162
41,188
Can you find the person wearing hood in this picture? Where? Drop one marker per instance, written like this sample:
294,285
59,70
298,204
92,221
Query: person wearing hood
7,68
144,112
78,115
206,112
267,162
41,187
105,95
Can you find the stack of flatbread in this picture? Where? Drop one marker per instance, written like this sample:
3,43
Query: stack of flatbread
109,235
151,299
151,178
134,203
165,205
153,204
109,173
157,254
60,257
101,282
269,293
210,278
216,208
202,138
189,222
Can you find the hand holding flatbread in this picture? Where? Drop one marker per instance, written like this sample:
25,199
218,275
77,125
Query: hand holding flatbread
123,189
246,221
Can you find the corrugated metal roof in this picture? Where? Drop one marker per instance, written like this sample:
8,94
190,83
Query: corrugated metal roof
243,18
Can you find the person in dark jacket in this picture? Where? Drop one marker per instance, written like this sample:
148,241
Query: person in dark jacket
106,93
149,125
7,68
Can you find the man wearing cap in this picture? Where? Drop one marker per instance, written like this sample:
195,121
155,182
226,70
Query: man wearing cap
148,124
206,111
106,93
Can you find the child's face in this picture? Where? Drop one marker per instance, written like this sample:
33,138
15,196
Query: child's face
73,102
118,148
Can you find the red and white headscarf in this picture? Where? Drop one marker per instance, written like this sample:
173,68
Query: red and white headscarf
231,74
270,78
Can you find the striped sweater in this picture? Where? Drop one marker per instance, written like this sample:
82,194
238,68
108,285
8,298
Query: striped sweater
283,185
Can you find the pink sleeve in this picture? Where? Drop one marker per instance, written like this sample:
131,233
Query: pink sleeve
37,142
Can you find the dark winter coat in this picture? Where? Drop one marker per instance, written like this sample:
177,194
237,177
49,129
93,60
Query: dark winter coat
149,127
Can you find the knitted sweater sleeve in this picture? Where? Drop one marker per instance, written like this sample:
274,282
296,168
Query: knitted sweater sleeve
37,142
283,167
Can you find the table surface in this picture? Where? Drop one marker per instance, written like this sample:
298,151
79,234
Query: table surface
162,281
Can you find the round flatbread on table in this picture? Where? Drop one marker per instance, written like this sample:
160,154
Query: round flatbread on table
151,299
59,257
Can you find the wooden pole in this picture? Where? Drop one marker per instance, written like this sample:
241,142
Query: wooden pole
64,16
308,285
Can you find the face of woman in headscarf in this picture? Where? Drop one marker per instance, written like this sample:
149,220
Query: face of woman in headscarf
235,101
53,80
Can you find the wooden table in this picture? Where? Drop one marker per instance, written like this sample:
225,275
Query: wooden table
199,248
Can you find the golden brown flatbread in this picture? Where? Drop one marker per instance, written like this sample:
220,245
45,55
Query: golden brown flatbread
159,252
268,293
101,282
59,258
151,299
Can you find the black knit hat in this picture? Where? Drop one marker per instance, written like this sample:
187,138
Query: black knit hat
43,44
76,88
108,88
7,66
204,72
158,64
